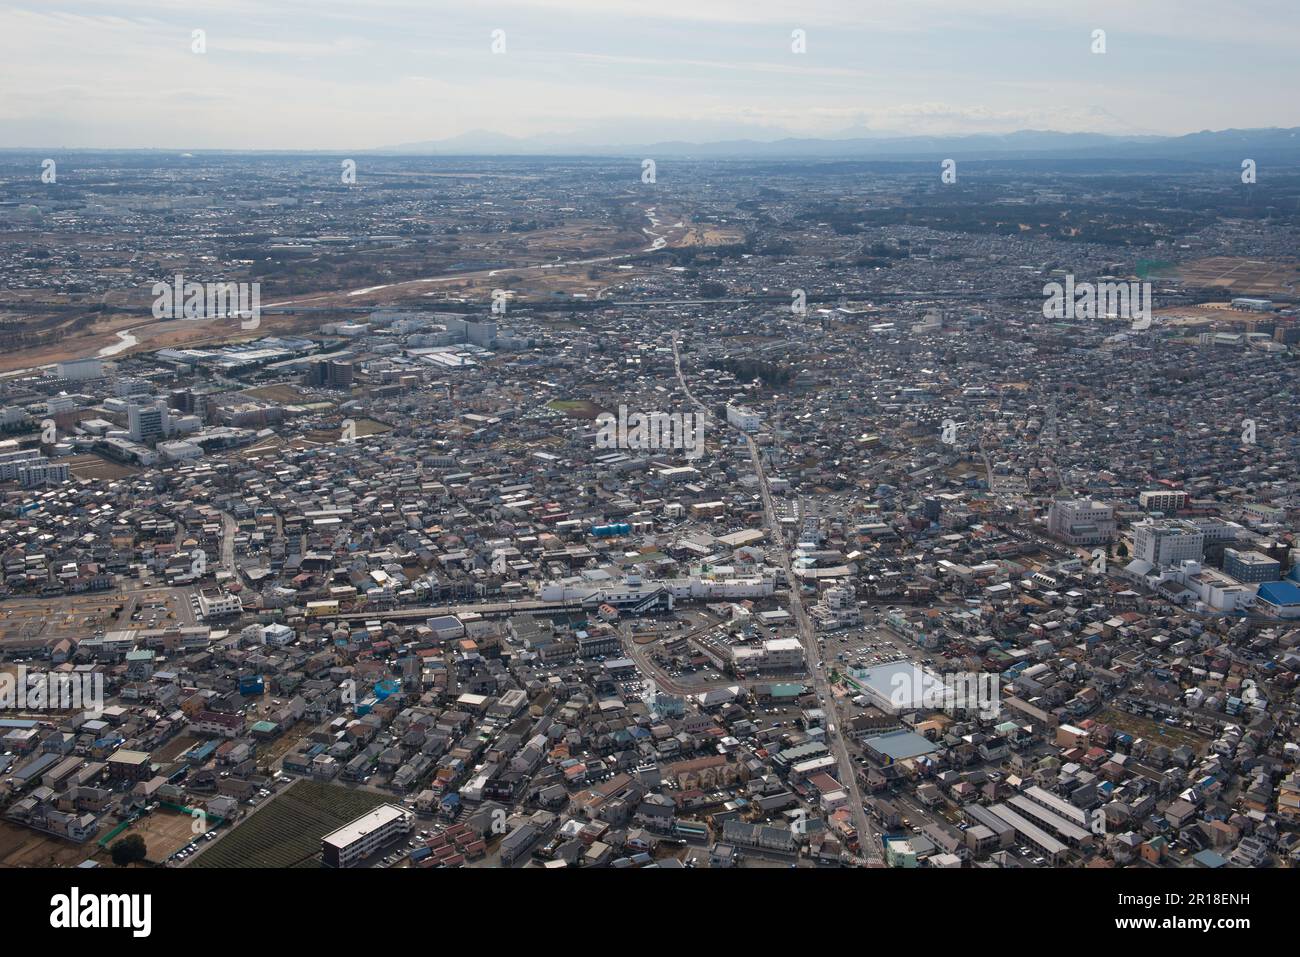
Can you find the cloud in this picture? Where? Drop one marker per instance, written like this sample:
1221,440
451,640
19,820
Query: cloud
344,74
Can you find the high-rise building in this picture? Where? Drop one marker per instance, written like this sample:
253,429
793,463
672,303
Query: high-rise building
147,423
1165,544
330,374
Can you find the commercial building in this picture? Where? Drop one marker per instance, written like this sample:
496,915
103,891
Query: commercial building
745,419
1251,567
330,374
1281,599
1082,521
775,654
147,423
80,370
1166,543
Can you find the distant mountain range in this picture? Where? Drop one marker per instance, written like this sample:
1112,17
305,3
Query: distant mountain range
1271,145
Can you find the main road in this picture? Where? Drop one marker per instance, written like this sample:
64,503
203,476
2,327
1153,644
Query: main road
868,842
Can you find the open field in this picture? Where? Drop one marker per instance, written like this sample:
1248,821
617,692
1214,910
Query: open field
271,443
280,392
23,847
575,408
1141,727
1244,277
164,831
91,466
364,427
287,831
175,747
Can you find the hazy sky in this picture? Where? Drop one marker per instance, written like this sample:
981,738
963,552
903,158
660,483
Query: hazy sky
356,74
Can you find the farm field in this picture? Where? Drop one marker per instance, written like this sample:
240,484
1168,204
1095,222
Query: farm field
1243,277
287,831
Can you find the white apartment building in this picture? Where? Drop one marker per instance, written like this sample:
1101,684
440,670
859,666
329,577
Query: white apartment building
357,840
14,459
1162,500
43,472
747,420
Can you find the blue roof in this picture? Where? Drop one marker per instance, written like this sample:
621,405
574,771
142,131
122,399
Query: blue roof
1280,593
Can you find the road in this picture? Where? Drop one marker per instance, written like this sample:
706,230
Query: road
229,528
868,840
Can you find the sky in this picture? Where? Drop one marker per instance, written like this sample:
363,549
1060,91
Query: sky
365,74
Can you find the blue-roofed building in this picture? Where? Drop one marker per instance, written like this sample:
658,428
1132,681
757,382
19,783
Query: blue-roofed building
200,752
1280,598
250,685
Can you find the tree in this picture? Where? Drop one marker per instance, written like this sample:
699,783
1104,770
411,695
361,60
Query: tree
129,850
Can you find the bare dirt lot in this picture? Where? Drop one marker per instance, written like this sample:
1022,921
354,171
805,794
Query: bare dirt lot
23,847
164,831
97,467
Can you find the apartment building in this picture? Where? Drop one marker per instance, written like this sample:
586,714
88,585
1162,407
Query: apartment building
358,839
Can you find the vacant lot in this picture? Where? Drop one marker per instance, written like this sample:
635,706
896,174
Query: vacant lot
22,847
287,831
42,618
164,831
280,392
92,466
575,408
1141,727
